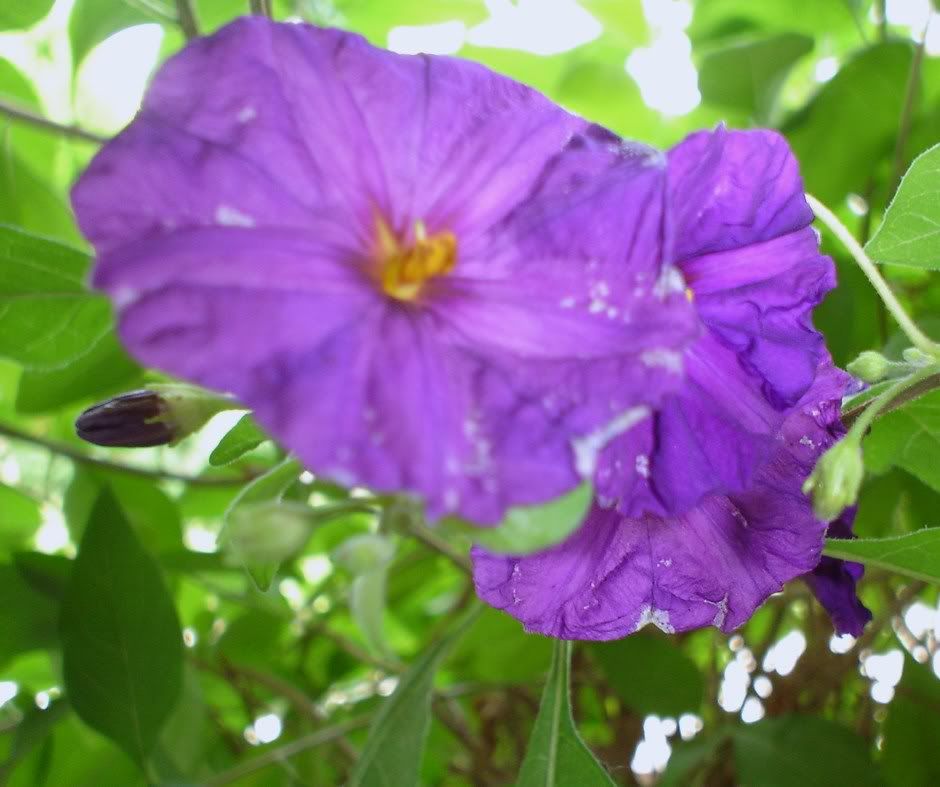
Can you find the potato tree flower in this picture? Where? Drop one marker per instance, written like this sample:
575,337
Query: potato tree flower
420,275
700,515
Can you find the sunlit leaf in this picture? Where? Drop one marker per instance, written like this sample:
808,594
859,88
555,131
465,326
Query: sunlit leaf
528,529
121,639
395,746
915,554
910,232
556,755
245,436
19,518
23,13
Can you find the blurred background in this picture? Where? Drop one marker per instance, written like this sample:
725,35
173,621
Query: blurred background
855,86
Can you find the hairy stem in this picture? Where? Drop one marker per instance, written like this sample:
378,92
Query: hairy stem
917,337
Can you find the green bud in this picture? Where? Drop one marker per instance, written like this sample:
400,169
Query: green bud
160,415
364,553
917,357
870,366
269,532
836,479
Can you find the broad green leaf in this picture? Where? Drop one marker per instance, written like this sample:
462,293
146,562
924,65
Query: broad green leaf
910,232
908,438
497,649
718,18
245,436
20,14
19,518
801,751
47,317
864,99
748,76
915,554
270,487
671,683
253,638
912,729
395,746
556,755
687,758
121,640
92,21
29,621
104,370
528,529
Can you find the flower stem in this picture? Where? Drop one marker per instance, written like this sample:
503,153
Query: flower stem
878,405
917,337
187,19
17,112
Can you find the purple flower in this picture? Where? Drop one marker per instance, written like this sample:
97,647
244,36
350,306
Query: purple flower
700,514
420,275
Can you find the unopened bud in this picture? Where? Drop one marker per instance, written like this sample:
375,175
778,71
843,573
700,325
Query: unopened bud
917,357
870,366
836,479
268,532
161,415
364,553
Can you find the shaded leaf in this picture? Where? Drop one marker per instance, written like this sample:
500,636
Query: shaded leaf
30,618
556,755
245,436
21,14
671,683
908,438
912,729
910,232
121,639
19,518
92,21
395,746
49,574
801,751
915,554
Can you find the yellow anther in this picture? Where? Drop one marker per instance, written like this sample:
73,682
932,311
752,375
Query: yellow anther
405,269
689,295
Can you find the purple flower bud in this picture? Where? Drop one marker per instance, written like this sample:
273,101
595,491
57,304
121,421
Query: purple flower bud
133,420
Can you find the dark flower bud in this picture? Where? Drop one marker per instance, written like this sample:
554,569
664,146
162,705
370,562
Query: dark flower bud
161,415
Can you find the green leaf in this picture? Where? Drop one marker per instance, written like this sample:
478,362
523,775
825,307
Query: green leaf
367,557
48,574
20,14
122,648
104,370
748,76
556,755
374,18
92,21
908,438
528,529
912,729
671,683
19,518
915,554
863,101
270,487
245,436
33,730
497,649
395,746
30,617
801,751
47,317
910,232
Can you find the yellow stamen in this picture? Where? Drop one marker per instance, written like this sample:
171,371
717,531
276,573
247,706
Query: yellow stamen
689,295
404,270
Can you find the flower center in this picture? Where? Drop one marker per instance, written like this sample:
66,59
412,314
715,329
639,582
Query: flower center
404,268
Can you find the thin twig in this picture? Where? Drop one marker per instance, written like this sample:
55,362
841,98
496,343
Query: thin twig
924,386
434,542
25,115
260,8
288,750
907,113
187,18
117,467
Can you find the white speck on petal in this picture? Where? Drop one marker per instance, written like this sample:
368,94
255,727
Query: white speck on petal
246,114
124,297
643,465
658,617
587,448
227,216
567,302
669,282
719,620
665,562
805,440
668,359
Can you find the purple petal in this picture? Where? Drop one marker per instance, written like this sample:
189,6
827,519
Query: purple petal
713,565
834,581
236,222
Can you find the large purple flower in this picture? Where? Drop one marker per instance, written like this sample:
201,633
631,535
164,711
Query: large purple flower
420,275
700,514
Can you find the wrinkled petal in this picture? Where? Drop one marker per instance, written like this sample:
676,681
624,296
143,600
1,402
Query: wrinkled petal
237,221
834,581
752,265
713,565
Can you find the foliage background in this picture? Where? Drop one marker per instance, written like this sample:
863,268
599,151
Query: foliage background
278,687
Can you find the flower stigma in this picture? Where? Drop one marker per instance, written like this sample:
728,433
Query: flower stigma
404,268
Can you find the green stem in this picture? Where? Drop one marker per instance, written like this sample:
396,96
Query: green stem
187,18
20,113
867,417
907,113
917,337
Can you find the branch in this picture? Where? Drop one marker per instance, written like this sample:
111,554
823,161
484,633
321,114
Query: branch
187,19
917,390
28,116
433,542
260,8
104,464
